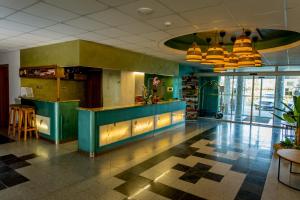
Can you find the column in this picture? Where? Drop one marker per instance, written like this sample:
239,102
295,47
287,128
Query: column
279,93
239,98
227,95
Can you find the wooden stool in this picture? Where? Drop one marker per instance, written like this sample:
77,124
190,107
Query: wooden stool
27,122
14,111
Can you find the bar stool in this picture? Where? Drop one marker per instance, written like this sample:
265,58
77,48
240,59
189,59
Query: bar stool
14,111
27,122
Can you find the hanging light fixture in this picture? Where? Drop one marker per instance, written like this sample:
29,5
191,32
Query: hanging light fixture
204,61
246,60
194,52
218,68
232,62
257,58
215,54
243,44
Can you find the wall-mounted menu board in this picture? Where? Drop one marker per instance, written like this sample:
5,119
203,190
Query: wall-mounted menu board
52,72
48,72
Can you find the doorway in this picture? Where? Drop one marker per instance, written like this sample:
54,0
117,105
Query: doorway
4,96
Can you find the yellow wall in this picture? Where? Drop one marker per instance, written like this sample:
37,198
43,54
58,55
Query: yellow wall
62,54
91,54
98,55
46,89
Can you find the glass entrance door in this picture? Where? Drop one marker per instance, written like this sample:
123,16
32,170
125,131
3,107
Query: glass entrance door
263,100
248,99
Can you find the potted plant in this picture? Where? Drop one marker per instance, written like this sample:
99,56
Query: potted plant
291,115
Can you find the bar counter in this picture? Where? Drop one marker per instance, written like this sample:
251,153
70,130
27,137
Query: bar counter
101,129
56,120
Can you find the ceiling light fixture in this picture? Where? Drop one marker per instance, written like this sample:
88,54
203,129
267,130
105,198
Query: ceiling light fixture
194,52
145,10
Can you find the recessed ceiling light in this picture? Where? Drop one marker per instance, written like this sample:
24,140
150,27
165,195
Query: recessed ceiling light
168,23
145,10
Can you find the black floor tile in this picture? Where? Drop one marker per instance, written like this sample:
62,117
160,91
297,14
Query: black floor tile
28,157
133,185
166,191
246,195
188,196
182,168
4,169
213,176
2,186
12,178
7,157
19,164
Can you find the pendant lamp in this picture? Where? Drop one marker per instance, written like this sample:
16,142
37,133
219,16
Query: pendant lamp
215,54
232,62
246,60
243,44
194,52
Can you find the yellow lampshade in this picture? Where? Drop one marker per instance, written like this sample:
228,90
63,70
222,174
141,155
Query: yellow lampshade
242,46
215,54
194,53
232,62
246,60
204,61
219,68
257,58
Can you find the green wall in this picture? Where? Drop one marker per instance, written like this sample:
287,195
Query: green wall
165,82
208,97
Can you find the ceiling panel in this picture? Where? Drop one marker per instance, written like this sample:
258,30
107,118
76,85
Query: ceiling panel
116,2
66,29
50,12
112,32
112,17
137,28
5,11
9,25
86,24
175,20
185,5
17,4
91,36
156,36
133,39
207,15
159,10
8,32
28,19
81,7
48,33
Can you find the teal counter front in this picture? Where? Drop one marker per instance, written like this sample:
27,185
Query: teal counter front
101,129
56,120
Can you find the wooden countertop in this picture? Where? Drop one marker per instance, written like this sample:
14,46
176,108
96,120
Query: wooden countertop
50,101
124,106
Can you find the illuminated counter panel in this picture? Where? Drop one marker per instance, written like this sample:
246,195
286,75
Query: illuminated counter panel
101,129
56,120
162,120
142,125
115,132
178,116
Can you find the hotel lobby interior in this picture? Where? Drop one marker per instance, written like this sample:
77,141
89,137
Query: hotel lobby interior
149,99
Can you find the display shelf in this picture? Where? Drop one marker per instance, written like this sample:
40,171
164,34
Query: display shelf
190,95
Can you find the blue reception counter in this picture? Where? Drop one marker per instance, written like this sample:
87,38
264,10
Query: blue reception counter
101,129
56,120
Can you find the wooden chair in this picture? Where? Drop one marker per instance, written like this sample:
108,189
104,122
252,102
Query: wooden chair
14,111
27,123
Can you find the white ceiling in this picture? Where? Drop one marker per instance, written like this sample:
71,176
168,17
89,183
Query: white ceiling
29,23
